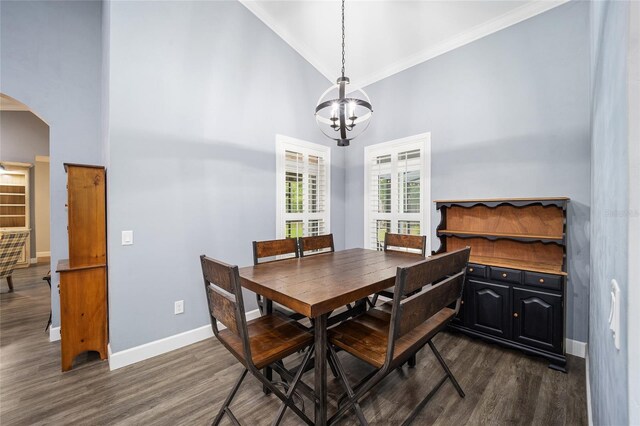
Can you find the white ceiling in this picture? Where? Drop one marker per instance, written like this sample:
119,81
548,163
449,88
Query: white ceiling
386,37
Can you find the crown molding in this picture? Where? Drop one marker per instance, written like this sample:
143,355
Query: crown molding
522,13
302,49
501,22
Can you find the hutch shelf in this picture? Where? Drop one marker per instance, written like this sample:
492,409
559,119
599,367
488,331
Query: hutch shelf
516,280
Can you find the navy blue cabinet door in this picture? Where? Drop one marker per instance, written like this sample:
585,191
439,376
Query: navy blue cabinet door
538,319
489,308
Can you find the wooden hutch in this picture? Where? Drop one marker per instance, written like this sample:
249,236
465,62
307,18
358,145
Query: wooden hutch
517,276
83,277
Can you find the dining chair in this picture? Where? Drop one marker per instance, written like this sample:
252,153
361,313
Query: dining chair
256,344
400,242
11,245
272,250
385,340
405,243
316,244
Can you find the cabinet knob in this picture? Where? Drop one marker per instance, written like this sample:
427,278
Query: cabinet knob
515,315
504,275
462,302
541,280
470,269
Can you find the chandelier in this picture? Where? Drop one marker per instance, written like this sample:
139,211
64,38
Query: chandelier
343,113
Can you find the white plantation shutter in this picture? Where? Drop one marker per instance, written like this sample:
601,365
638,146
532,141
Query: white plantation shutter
303,188
397,197
379,181
294,168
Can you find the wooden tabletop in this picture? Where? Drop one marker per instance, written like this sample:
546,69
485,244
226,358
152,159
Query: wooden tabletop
319,284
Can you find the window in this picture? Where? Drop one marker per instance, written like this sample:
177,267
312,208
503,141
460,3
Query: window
303,188
397,189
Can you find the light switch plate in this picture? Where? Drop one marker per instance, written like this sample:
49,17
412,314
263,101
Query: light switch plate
614,315
127,238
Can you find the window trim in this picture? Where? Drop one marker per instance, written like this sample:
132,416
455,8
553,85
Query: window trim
284,143
422,141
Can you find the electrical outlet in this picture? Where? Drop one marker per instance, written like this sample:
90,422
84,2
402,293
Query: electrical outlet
178,307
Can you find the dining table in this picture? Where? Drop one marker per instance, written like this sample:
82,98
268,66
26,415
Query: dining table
317,285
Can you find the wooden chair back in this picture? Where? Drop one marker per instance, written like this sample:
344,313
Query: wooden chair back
446,273
414,243
273,248
224,297
316,245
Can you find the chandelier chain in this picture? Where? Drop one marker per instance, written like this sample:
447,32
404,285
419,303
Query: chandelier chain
342,38
340,115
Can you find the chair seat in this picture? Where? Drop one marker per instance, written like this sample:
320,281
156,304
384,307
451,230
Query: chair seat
366,336
271,337
284,311
387,292
386,307
288,312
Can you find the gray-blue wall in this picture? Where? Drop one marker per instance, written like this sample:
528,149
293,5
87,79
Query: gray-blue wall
633,324
509,117
50,58
610,210
198,91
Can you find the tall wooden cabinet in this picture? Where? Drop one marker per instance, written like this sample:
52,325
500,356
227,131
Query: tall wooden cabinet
517,275
15,206
83,277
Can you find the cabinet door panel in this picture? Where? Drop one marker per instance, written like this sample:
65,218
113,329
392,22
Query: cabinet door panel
83,313
539,319
490,308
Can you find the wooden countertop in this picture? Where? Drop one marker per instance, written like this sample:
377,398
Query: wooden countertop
63,266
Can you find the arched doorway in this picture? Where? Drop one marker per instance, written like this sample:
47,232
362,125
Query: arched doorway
24,206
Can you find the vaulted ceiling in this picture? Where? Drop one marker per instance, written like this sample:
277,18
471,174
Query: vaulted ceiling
386,37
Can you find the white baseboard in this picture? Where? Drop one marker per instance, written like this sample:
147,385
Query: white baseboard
589,412
34,260
54,334
576,348
177,341
149,350
43,254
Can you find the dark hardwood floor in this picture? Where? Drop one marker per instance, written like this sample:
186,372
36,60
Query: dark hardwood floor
187,386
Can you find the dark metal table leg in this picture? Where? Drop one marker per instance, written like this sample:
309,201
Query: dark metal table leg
268,372
320,368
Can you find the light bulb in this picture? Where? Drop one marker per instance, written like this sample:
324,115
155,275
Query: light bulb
334,109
